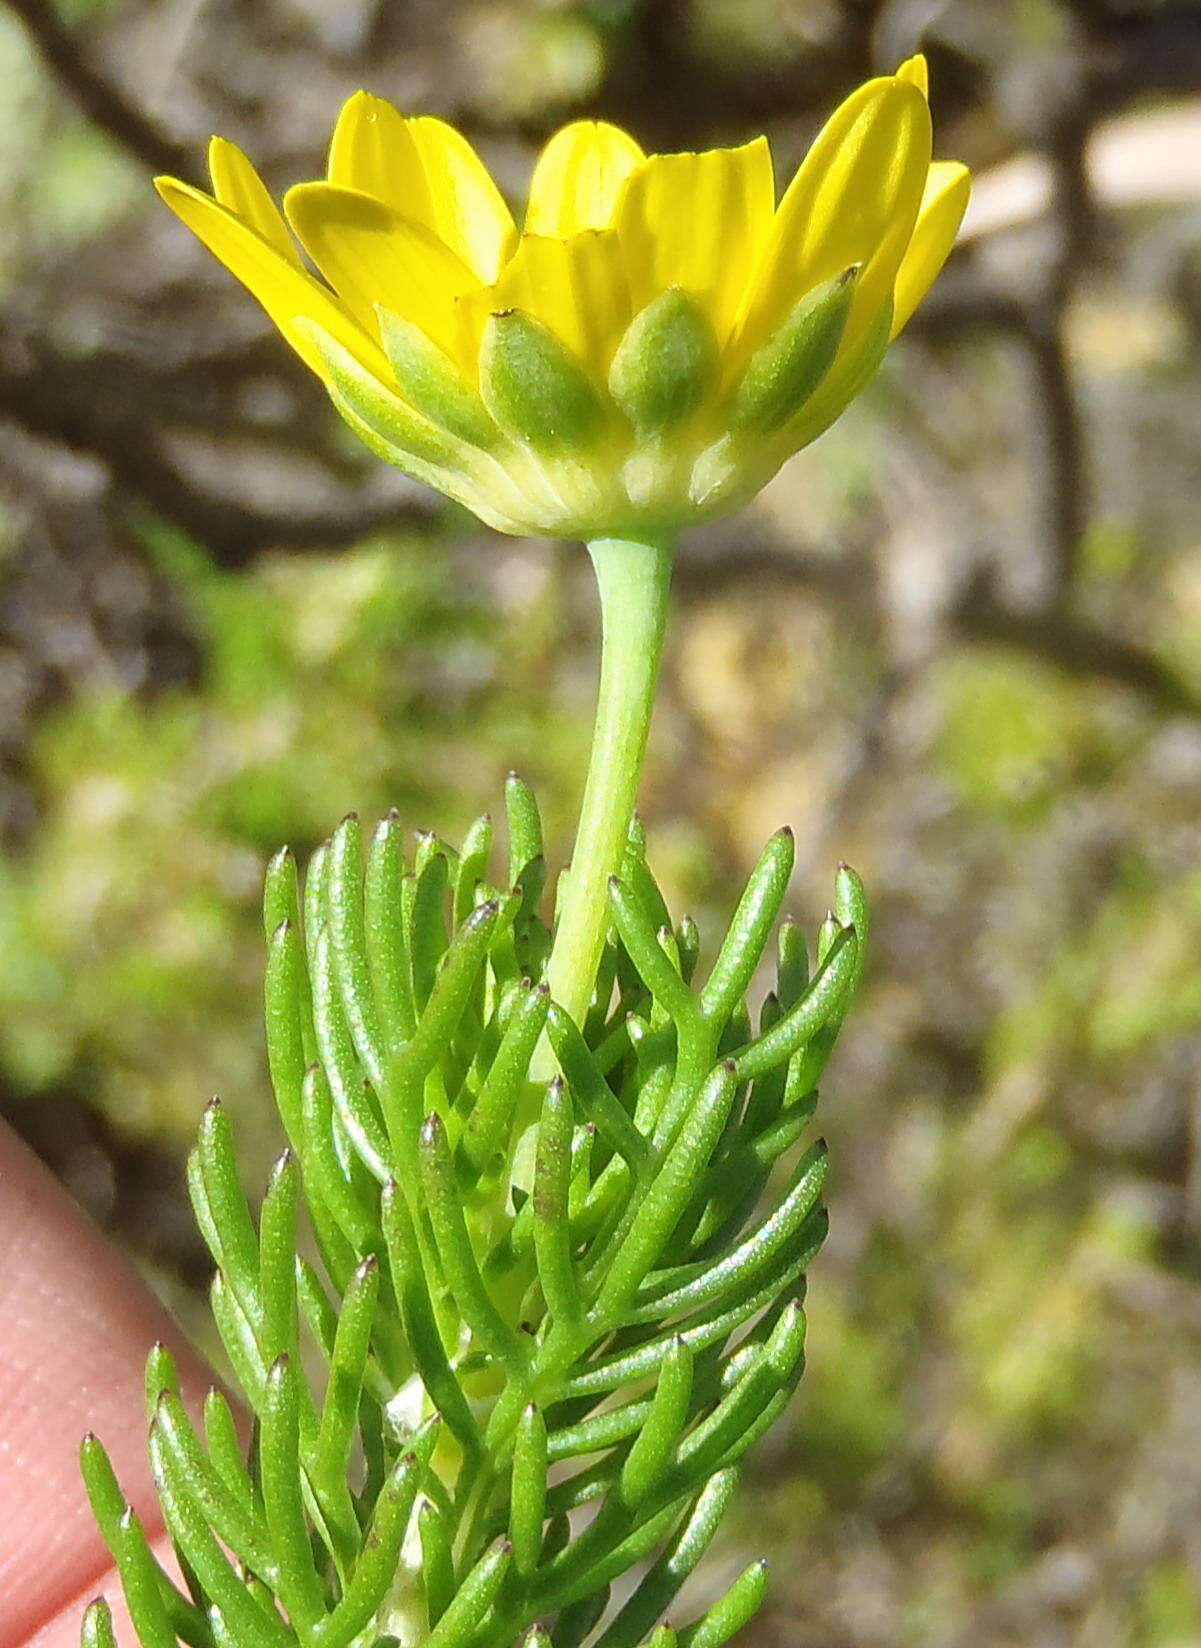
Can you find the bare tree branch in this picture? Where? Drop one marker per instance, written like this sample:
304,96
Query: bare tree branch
105,103
720,562
42,395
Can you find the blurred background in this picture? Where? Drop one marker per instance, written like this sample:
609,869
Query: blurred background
958,643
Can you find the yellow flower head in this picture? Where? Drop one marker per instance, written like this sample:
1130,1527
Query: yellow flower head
644,352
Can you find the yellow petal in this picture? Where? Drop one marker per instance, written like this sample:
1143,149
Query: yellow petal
372,150
854,200
285,291
427,172
578,178
697,221
948,187
238,186
469,212
575,287
371,255
917,72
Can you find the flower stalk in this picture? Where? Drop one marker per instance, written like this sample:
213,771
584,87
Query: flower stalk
632,578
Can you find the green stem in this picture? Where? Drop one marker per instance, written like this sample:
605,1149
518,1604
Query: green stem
633,579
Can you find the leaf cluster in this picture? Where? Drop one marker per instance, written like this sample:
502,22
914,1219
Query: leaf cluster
501,1340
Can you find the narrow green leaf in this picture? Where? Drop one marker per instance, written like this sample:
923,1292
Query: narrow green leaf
352,1100
103,1490
428,845
296,1580
827,936
376,1568
659,1587
590,1563
489,1125
524,825
225,1449
580,1619
384,930
654,1444
472,867
318,1312
455,1251
727,1617
96,1630
425,930
471,1602
281,892
404,1088
277,1259
688,1287
160,1376
141,1580
527,1496
238,1338
456,977
188,1528
750,929
326,1180
819,1004
420,1323
688,942
723,1435
437,1561
348,933
667,1195
625,1367
238,1245
792,963
238,1525
348,1363
768,1090
291,1040
851,909
638,934
600,1430
636,872
591,1092
124,1541
314,897
767,1147
552,1223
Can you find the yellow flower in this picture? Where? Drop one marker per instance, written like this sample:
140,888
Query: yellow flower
644,352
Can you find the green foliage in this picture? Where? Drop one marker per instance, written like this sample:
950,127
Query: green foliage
546,1322
129,919
1014,734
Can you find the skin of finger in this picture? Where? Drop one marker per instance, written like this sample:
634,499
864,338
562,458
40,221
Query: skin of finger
76,1323
63,1630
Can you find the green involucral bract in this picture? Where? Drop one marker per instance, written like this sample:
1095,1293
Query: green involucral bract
534,1325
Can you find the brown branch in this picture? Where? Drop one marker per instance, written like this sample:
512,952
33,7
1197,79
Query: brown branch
42,395
717,561
104,103
1073,646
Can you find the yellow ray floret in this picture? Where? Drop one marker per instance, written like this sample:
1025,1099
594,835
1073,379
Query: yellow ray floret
656,339
698,221
944,201
578,178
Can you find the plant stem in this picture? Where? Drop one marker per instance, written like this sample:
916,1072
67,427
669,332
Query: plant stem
633,579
